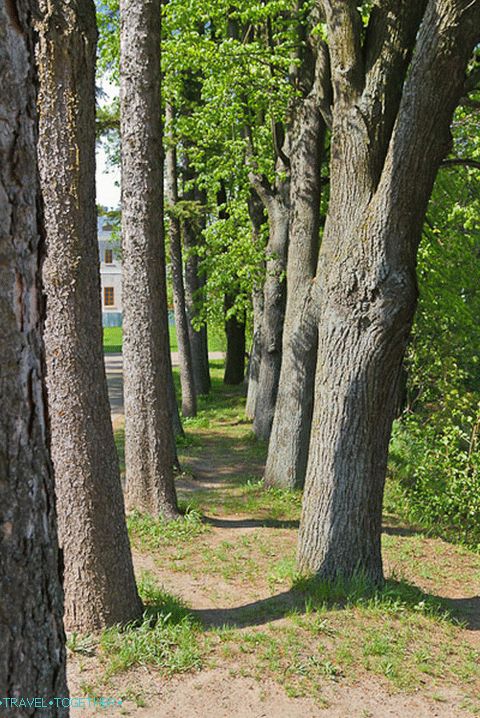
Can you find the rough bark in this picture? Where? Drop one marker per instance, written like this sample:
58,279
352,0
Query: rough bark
274,296
148,427
257,219
189,398
32,659
288,446
99,582
366,288
235,357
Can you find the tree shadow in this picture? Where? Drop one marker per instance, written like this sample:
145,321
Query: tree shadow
311,594
402,531
466,611
251,523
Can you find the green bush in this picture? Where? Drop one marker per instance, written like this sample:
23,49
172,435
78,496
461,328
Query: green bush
435,460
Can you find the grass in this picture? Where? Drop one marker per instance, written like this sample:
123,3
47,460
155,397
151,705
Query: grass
112,340
150,534
167,637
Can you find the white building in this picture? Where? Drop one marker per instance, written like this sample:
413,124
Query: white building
110,274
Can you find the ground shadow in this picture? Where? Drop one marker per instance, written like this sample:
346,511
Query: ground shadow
250,523
317,595
402,531
465,610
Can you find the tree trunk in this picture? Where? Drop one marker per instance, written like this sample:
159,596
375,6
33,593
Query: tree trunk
189,399
192,228
274,295
235,358
257,219
384,160
173,407
148,426
288,446
99,581
194,288
32,659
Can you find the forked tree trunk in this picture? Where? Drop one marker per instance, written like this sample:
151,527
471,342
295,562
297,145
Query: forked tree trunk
235,357
274,296
289,440
148,428
383,167
99,581
189,398
32,657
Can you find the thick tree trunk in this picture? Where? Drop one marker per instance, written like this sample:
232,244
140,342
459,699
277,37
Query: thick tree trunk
274,295
148,427
257,219
383,167
289,440
189,399
32,658
235,358
99,581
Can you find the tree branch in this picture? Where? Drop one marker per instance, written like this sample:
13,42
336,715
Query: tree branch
389,43
344,28
259,182
462,162
322,86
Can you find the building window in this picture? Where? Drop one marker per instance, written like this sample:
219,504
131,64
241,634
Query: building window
108,256
108,296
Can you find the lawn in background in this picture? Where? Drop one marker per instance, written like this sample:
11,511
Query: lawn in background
112,340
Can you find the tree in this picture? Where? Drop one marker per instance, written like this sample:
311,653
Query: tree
195,281
32,660
396,84
235,356
288,446
99,581
149,448
189,398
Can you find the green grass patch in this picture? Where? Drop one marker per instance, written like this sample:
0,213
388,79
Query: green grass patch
167,637
113,337
150,534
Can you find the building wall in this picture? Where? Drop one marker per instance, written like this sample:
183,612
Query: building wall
111,277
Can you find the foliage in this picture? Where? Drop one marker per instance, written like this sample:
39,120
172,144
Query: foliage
435,453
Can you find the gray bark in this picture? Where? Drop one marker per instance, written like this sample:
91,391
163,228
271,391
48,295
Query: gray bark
189,398
32,658
390,133
148,427
257,219
99,582
288,446
274,297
